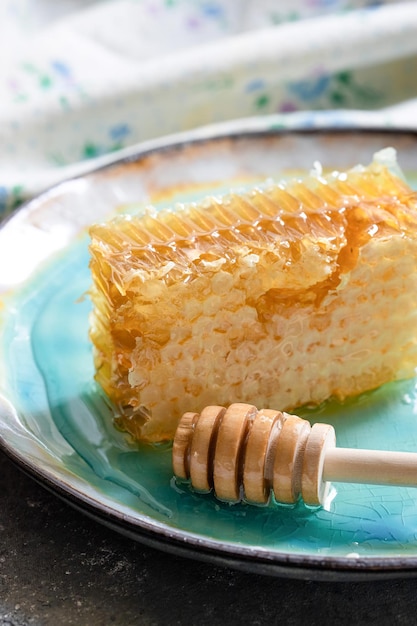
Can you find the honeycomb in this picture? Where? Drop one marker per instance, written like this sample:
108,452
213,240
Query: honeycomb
284,295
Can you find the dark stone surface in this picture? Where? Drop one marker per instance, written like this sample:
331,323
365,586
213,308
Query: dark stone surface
58,567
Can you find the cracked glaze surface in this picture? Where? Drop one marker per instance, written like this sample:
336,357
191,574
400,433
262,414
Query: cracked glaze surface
54,419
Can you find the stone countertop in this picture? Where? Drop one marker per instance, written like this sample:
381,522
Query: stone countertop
58,567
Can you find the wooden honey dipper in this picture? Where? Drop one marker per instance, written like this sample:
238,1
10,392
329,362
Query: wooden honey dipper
243,453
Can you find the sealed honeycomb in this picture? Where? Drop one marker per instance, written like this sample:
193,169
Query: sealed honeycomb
285,295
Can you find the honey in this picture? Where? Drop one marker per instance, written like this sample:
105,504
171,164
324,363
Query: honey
280,296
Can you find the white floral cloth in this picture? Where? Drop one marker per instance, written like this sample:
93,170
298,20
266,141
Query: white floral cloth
83,80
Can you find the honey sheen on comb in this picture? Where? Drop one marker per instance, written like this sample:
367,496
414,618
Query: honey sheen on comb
283,295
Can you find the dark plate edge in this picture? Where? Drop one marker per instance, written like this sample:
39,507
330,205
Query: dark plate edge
304,567
183,544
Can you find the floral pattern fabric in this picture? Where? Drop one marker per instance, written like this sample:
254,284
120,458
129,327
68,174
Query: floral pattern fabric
108,75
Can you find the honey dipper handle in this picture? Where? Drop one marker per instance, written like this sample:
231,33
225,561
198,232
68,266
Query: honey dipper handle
374,467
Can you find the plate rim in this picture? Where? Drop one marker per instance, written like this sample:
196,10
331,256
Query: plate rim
192,545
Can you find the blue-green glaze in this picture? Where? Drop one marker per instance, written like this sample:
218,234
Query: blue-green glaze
49,379
63,425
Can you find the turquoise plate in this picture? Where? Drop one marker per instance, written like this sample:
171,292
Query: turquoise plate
56,424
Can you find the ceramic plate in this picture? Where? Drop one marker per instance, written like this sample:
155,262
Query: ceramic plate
56,424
